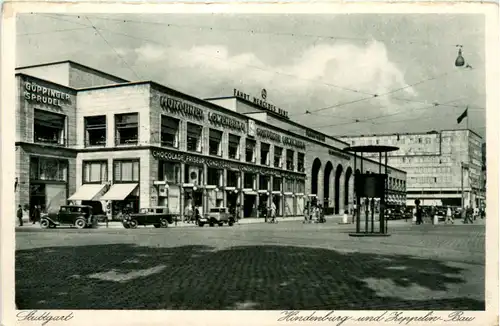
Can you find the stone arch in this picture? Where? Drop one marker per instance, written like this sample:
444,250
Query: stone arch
326,184
316,167
338,175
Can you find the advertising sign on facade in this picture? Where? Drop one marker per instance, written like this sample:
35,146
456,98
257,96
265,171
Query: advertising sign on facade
185,109
44,95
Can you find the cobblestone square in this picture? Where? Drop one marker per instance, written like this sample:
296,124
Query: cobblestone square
288,265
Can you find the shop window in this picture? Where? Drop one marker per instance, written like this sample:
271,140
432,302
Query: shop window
288,185
234,147
250,150
301,186
277,184
248,182
169,132
264,153
127,128
300,162
49,128
215,142
194,133
95,130
169,172
214,177
232,178
263,182
289,159
126,171
278,153
193,174
95,171
49,169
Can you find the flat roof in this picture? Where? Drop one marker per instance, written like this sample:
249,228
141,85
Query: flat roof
71,62
408,133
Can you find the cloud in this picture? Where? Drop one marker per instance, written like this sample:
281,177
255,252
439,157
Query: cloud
367,69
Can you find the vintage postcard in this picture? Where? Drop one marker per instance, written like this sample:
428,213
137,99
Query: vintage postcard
250,164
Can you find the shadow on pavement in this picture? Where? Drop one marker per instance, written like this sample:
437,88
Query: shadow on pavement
124,276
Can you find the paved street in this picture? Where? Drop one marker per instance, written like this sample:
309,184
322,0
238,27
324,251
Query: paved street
251,266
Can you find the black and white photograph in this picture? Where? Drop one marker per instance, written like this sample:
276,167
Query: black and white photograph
282,162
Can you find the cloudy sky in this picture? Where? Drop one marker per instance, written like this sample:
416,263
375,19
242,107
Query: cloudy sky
354,74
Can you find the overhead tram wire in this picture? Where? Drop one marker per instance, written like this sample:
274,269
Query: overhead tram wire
55,31
260,68
384,116
252,32
221,59
114,50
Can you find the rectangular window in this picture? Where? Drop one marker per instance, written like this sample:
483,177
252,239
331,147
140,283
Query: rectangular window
301,186
289,160
263,182
300,162
232,178
169,171
277,184
95,130
127,128
214,177
49,128
126,171
288,185
169,132
49,169
264,153
278,153
234,147
248,183
95,171
194,133
250,150
215,142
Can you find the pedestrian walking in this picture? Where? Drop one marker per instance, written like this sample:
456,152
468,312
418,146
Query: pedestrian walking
419,215
467,214
306,212
237,212
273,212
20,215
449,216
37,214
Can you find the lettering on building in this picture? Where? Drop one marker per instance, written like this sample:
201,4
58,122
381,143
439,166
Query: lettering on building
285,140
315,135
263,104
219,164
41,94
225,122
182,108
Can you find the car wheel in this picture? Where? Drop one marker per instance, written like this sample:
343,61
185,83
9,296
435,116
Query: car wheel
156,225
80,223
44,223
201,225
230,223
221,224
132,224
126,226
211,224
164,223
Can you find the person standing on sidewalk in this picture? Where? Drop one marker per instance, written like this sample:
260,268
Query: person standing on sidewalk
20,215
419,215
273,212
237,212
37,213
306,212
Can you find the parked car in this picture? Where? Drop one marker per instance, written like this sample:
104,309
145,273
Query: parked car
159,217
217,215
75,215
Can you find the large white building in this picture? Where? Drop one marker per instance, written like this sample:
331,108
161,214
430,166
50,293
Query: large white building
437,165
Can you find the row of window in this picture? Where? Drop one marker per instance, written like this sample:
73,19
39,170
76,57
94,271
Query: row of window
50,128
128,171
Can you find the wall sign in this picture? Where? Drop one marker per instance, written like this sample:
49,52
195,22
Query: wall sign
179,107
262,103
41,94
219,164
285,140
224,121
315,135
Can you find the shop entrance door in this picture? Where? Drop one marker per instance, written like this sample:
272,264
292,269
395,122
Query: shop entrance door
249,205
37,196
263,205
232,200
277,203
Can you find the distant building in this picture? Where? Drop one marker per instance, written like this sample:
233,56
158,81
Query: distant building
435,163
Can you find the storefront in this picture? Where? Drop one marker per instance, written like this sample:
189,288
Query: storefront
48,183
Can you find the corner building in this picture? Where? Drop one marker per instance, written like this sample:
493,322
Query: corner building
93,138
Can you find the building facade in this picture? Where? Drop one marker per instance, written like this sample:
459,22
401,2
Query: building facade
442,167
95,138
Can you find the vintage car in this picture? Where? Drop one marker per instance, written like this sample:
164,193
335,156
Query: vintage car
159,217
75,215
217,215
